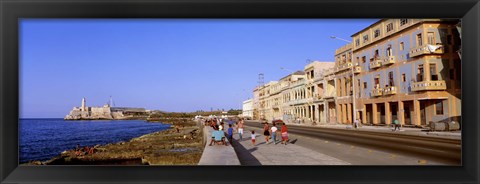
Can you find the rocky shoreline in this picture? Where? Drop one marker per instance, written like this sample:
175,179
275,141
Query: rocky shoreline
182,144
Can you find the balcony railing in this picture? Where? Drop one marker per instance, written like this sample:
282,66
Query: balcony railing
389,60
376,64
429,85
426,49
357,69
391,90
344,66
329,95
377,92
329,77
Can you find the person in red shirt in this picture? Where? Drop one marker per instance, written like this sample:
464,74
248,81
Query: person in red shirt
284,134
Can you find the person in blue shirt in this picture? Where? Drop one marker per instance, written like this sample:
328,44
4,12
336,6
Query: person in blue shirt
396,124
218,136
230,133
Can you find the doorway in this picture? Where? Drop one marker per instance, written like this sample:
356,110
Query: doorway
369,114
423,117
381,108
408,111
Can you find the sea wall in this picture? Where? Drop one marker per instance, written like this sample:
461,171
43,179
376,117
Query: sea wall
217,154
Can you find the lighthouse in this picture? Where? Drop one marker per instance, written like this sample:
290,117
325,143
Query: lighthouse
84,103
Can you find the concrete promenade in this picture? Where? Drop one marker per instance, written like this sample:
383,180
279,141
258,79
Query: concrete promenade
270,154
217,154
262,153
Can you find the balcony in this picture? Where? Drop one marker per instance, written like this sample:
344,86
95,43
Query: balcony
427,49
329,95
376,64
391,90
344,66
357,69
377,92
429,85
389,60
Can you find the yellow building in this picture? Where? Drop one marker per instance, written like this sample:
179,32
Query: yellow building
298,96
405,69
315,91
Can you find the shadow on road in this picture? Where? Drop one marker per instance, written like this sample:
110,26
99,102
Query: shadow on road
244,155
292,141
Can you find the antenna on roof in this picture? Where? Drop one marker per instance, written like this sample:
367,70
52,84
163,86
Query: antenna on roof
260,79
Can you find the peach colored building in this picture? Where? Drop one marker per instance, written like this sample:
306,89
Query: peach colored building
405,69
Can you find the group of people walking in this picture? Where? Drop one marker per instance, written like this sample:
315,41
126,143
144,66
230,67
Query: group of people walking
273,131
218,135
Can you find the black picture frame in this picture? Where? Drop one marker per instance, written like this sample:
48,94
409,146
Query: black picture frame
13,10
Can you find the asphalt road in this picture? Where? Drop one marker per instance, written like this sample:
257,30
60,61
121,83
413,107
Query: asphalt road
366,151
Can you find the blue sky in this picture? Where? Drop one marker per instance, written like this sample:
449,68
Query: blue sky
164,64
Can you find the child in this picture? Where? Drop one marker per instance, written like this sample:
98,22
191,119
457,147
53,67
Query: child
230,133
253,138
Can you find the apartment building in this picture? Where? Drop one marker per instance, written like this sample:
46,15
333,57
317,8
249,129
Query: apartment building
405,69
305,95
276,101
288,95
265,101
247,108
316,107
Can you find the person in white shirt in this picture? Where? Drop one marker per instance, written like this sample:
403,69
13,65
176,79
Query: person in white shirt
253,137
274,129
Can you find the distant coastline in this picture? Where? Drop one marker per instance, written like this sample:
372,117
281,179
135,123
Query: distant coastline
107,112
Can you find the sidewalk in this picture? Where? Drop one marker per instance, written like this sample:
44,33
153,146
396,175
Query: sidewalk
270,154
389,129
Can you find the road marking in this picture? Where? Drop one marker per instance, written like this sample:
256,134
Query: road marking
392,156
326,141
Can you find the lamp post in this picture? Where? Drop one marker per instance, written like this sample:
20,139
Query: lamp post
288,70
345,40
353,82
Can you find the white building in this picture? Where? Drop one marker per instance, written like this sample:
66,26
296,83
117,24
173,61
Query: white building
247,110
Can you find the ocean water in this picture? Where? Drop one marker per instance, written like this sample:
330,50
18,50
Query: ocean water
43,139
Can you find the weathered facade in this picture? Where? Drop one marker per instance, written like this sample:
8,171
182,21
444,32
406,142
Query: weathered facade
405,69
316,104
298,96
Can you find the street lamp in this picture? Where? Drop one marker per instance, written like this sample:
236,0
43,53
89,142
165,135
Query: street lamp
281,68
345,40
353,82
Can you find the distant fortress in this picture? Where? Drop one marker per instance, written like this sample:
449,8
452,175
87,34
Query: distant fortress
106,112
